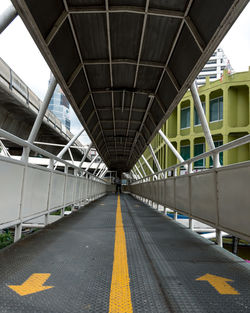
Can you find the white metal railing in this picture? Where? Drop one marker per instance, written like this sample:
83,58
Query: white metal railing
219,197
30,191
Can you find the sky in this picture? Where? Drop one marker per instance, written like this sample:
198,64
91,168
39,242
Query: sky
19,51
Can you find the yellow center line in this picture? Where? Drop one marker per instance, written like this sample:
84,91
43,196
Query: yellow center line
120,296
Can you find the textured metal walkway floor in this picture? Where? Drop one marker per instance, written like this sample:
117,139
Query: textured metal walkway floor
165,262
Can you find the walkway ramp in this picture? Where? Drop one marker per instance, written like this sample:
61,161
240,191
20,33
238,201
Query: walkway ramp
120,256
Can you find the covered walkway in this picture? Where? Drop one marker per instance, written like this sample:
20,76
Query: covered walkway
103,259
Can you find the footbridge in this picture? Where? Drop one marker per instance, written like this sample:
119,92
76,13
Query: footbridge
124,66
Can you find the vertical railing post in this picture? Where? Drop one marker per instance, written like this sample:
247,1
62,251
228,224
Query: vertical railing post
46,216
219,239
191,221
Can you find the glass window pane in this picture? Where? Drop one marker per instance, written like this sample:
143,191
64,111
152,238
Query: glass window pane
199,149
185,118
196,117
214,110
221,108
185,152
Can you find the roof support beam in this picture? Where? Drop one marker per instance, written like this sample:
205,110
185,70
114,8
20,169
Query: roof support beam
137,70
197,37
174,44
126,9
84,69
7,17
56,27
110,65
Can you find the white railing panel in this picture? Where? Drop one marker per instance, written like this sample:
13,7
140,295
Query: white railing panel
203,196
182,193
36,190
234,198
169,200
161,191
57,190
10,191
69,192
78,189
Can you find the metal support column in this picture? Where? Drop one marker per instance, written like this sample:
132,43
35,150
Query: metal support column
39,118
85,155
143,171
91,163
103,174
42,111
203,120
133,174
97,167
155,158
146,162
70,143
137,169
175,152
7,17
101,171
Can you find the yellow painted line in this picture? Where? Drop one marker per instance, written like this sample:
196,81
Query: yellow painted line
32,285
120,296
220,284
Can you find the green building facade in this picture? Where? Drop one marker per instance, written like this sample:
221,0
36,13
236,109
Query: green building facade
227,109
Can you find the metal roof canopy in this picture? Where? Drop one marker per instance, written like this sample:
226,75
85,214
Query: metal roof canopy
125,64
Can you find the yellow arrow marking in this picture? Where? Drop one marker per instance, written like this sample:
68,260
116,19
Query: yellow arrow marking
32,285
220,284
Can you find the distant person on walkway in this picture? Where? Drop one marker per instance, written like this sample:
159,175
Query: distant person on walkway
118,187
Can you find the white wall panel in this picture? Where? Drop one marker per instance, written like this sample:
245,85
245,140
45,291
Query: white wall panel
203,196
69,194
10,191
57,188
234,199
182,193
169,193
36,190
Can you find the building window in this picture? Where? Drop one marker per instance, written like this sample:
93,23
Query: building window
216,109
217,144
185,152
199,148
185,117
211,62
209,69
196,117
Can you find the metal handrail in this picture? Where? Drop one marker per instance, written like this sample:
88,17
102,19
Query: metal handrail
26,144
233,144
